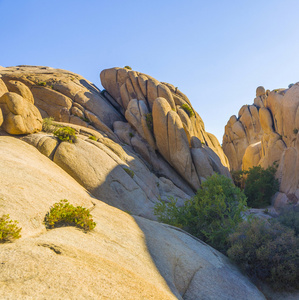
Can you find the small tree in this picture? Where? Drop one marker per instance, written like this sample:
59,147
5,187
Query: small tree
260,186
211,215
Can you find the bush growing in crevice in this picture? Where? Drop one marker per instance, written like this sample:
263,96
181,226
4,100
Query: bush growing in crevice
188,110
65,214
66,134
9,229
149,121
129,172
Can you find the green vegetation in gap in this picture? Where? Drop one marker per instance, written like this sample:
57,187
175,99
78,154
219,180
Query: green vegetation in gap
289,217
149,121
9,229
42,83
127,67
259,185
92,137
129,172
188,110
211,215
66,134
65,214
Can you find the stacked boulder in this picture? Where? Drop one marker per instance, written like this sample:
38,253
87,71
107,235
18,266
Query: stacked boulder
160,117
266,133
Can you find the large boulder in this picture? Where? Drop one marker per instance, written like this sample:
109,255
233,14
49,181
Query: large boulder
19,115
124,257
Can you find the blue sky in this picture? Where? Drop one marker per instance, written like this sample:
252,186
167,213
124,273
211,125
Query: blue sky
216,52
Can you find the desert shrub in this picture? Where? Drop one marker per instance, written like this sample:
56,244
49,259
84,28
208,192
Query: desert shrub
42,83
211,215
9,229
131,134
268,252
65,214
260,186
188,109
48,124
295,130
127,67
129,172
92,137
149,121
66,134
290,217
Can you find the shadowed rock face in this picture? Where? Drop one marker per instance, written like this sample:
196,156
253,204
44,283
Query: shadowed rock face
164,119
267,132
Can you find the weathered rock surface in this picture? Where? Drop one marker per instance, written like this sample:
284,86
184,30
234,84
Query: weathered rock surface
63,95
267,133
124,257
109,172
19,115
159,113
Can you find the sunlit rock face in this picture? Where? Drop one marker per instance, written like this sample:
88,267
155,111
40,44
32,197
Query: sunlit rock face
265,133
165,122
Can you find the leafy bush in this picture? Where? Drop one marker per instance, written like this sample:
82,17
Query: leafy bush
9,230
131,134
290,218
188,110
211,215
129,172
260,186
65,214
238,178
268,252
127,67
42,83
67,134
295,130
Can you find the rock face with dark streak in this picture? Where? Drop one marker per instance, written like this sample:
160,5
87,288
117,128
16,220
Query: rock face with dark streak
265,133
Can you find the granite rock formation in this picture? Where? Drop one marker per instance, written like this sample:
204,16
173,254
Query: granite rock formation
265,133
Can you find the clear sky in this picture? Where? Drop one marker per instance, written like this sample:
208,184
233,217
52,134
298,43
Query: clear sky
215,51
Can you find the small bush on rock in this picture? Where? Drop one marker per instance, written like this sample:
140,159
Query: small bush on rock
66,134
149,121
48,124
129,172
92,137
65,214
188,110
9,229
268,252
211,215
127,67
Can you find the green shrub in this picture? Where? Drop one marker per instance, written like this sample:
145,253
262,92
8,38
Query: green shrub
131,134
188,110
9,230
42,83
129,172
85,119
149,121
48,124
238,178
211,215
127,67
295,130
268,252
290,217
260,186
92,137
67,134
65,214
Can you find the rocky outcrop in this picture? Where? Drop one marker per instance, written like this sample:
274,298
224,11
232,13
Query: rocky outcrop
124,257
267,133
164,120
